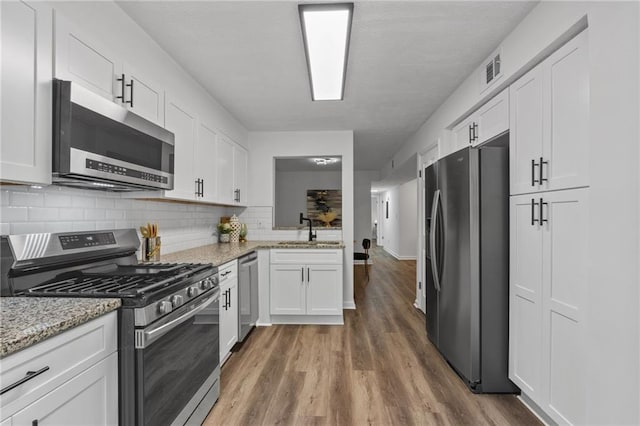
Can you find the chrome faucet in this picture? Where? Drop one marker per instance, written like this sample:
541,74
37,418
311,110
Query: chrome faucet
312,235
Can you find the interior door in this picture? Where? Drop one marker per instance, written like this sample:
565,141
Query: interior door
454,301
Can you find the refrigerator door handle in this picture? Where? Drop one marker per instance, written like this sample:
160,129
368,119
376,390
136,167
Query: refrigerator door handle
432,237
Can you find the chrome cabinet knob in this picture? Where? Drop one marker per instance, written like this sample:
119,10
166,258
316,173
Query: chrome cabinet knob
176,300
193,291
165,307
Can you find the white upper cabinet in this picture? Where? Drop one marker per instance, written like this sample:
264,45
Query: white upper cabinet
224,166
492,118
142,95
526,134
205,158
25,84
81,59
549,122
231,165
182,123
240,169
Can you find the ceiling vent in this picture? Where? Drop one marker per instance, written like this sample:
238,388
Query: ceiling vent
492,70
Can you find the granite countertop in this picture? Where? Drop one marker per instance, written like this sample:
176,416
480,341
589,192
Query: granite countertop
25,321
221,253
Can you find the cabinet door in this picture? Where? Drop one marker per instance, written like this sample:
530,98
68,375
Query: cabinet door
324,290
205,159
463,135
228,319
224,166
183,125
566,97
565,278
492,118
288,295
240,166
526,133
90,398
81,59
144,96
525,296
25,84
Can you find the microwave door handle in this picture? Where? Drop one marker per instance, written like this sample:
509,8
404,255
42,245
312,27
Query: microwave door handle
155,333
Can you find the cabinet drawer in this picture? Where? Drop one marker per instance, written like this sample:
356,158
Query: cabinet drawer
306,256
66,355
228,274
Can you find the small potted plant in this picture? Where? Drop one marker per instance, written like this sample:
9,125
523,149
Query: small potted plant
224,229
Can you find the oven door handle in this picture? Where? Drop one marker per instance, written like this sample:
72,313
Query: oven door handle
152,335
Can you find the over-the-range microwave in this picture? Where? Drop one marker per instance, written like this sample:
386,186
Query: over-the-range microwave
99,144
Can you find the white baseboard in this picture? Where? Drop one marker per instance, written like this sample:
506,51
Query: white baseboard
397,256
348,304
263,324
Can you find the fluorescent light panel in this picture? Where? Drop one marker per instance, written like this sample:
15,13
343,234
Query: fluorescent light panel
325,30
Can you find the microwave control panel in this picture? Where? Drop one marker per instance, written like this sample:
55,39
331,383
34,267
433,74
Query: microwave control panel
124,171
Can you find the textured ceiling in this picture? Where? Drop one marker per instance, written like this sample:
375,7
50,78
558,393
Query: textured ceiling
405,59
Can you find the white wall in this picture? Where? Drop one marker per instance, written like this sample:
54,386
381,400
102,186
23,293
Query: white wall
400,229
362,205
291,192
374,215
266,146
26,210
114,29
614,194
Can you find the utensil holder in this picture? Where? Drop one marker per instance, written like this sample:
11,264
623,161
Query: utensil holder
151,249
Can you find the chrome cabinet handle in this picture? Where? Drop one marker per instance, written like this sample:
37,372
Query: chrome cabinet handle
533,212
308,275
533,172
130,101
121,79
30,375
541,178
542,219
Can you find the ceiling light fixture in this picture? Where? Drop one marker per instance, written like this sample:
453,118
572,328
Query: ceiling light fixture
324,161
326,29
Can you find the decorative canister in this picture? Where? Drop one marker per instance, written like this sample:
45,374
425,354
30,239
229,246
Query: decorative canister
151,249
234,236
224,238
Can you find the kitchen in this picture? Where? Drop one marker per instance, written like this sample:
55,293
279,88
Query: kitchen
96,44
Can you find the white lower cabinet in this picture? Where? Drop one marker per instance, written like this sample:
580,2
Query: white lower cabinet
307,284
75,380
228,308
548,289
90,398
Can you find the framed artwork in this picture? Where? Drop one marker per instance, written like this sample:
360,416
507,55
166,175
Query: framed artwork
324,207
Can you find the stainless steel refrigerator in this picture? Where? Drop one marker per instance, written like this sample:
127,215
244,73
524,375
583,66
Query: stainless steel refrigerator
467,263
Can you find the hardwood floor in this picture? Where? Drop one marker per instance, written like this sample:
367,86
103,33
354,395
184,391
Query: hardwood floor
379,368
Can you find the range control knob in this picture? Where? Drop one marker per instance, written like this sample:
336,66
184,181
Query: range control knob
176,300
205,284
165,307
214,280
193,291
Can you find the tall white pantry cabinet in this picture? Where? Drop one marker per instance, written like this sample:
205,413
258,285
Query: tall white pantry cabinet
549,117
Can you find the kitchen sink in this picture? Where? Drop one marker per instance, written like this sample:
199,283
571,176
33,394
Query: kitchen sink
310,243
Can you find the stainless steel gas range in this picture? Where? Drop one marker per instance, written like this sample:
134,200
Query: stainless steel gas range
168,346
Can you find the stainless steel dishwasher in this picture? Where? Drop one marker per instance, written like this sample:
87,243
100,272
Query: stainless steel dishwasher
247,294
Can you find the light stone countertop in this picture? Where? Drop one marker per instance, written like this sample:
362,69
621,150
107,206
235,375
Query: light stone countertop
221,253
25,321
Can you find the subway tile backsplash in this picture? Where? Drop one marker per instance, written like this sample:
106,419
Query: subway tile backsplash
26,210
59,209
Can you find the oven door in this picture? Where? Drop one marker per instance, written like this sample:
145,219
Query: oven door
177,368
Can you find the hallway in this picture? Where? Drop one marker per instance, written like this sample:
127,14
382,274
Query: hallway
379,368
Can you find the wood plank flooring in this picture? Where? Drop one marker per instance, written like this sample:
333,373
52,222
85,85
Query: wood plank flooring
377,369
